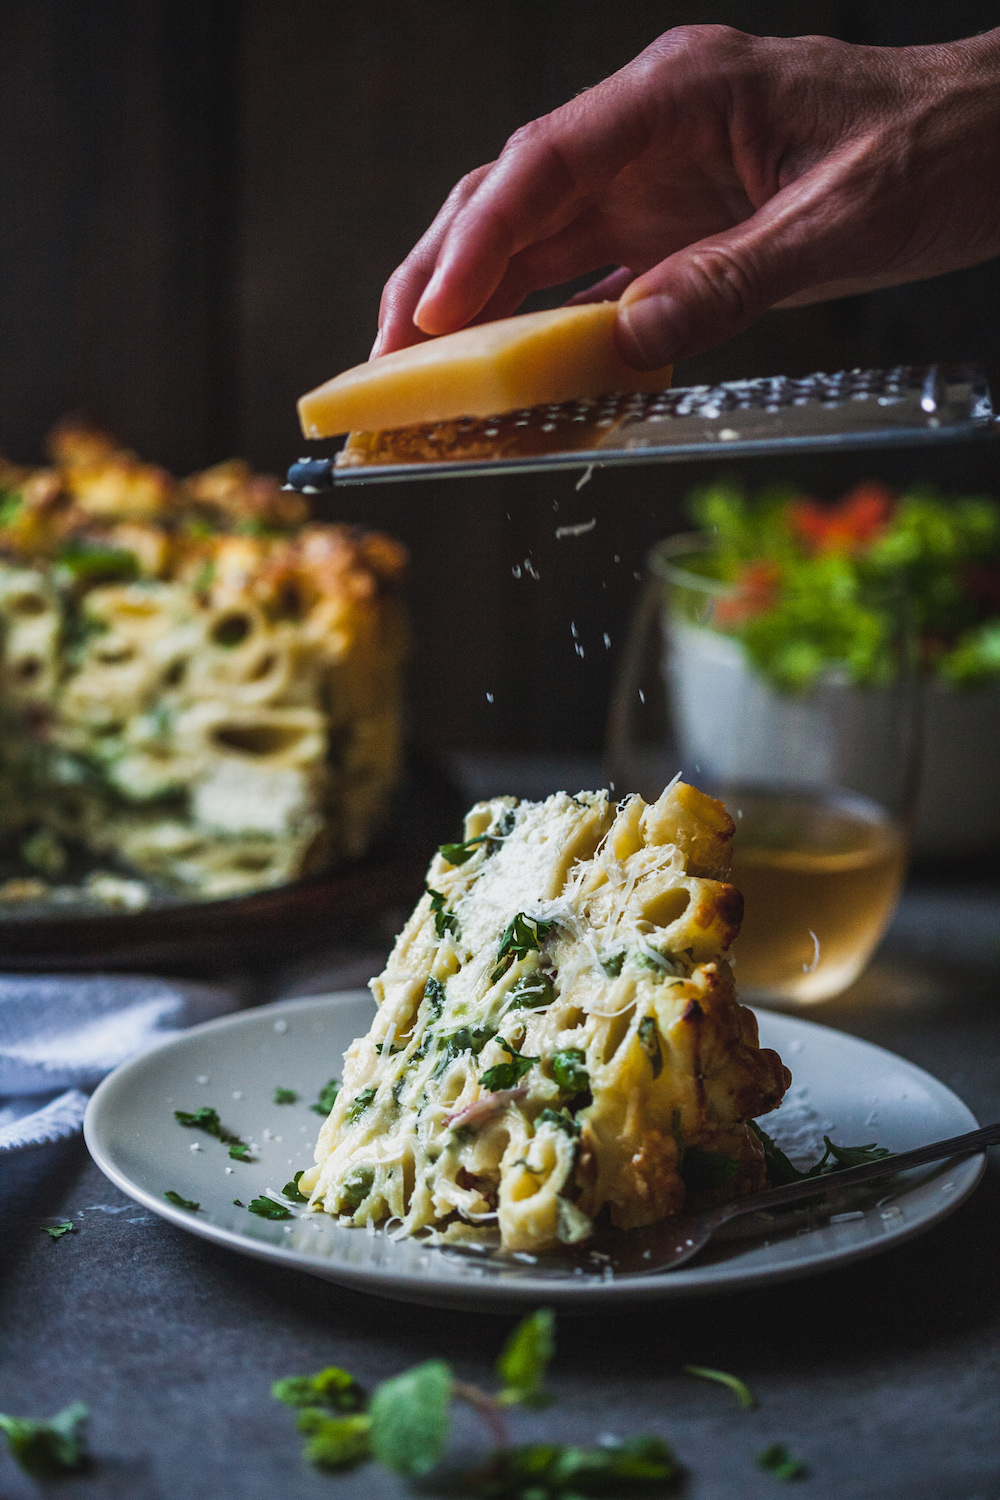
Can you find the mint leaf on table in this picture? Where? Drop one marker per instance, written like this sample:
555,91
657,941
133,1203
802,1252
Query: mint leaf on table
335,1442
640,1466
285,1096
327,1098
266,1208
179,1202
56,1231
777,1460
46,1449
240,1151
739,1388
525,1358
410,1419
291,1189
333,1388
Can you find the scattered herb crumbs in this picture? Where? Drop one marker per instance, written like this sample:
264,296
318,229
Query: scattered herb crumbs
47,1449
777,1460
179,1202
206,1119
266,1208
56,1231
285,1096
640,1466
291,1189
524,1360
327,1098
240,1151
238,1204
739,1388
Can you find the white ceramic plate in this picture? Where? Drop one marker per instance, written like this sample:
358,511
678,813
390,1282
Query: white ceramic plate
854,1091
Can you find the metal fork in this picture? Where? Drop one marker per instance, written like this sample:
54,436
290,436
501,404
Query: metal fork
666,1246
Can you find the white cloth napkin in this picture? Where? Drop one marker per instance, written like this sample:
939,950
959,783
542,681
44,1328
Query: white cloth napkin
59,1036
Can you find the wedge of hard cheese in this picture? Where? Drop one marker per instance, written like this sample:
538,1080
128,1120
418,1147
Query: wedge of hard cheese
534,359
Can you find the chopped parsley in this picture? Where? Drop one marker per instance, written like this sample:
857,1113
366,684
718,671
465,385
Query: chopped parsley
360,1103
444,921
777,1460
649,1041
834,1159
509,1074
393,1049
355,1187
739,1388
569,1072
465,1039
327,1098
532,992
86,562
206,1119
238,1203
179,1202
612,963
47,1449
240,1151
291,1189
458,854
56,1231
266,1208
521,936
285,1096
434,995
561,1119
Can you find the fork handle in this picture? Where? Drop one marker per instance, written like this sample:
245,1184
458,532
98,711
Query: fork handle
793,1192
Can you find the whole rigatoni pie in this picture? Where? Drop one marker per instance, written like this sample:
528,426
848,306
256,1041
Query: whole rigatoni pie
199,688
558,1036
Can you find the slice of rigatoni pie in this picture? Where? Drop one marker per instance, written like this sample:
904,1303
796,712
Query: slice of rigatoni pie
558,1036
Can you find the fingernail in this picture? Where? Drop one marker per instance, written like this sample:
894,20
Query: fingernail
651,331
429,293
377,345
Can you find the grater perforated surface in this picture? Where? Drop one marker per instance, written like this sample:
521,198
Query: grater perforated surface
908,404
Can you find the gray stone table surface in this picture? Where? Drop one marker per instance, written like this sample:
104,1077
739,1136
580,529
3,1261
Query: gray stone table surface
884,1377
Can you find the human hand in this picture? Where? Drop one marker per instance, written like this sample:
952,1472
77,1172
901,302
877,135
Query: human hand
724,174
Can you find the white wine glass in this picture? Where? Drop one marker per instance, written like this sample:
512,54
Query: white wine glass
820,778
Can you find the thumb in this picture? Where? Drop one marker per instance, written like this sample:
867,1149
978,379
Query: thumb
705,293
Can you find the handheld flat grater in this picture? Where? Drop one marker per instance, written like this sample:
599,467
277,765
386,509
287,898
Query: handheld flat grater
852,409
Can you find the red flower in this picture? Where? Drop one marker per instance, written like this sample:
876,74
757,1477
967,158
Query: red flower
849,525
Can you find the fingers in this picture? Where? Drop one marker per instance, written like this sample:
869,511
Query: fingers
608,289
406,285
542,179
699,296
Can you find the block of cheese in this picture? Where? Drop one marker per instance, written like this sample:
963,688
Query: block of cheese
531,360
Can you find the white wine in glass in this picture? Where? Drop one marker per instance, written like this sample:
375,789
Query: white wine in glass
820,783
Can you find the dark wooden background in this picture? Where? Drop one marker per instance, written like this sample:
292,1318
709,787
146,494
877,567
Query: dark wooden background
199,203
